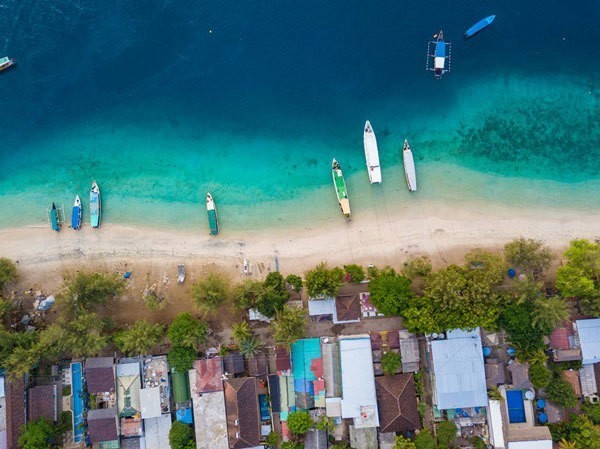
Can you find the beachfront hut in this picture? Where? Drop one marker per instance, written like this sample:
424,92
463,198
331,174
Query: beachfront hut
458,372
397,403
42,402
347,308
241,404
359,399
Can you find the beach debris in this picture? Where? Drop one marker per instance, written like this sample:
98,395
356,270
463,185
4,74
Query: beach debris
180,273
127,275
45,304
165,278
246,267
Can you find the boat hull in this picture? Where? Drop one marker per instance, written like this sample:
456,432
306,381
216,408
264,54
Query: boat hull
340,189
54,220
409,168
479,26
213,217
76,217
95,206
371,154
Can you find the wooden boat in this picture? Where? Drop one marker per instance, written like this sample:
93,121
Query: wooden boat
54,218
180,273
438,55
95,205
409,167
371,154
340,188
76,214
6,63
213,218
483,23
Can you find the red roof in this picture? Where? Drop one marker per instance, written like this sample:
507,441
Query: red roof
282,359
560,337
209,374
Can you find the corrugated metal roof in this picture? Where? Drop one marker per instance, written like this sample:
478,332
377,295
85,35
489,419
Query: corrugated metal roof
150,402
588,380
589,338
459,371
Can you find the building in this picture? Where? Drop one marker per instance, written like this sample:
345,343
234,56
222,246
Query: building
15,410
157,432
359,399
129,384
208,401
103,427
409,350
42,402
330,351
307,364
565,347
458,372
397,403
241,404
588,332
100,377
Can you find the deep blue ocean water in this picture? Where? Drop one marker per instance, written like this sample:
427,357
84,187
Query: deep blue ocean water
161,101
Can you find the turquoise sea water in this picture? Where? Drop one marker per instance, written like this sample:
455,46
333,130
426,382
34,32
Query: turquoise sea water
251,100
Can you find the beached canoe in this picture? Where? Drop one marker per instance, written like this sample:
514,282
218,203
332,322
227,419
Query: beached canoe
213,217
371,154
340,188
54,218
409,167
76,214
95,205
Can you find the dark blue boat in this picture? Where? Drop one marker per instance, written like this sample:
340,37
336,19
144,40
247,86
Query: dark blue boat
76,214
438,55
483,23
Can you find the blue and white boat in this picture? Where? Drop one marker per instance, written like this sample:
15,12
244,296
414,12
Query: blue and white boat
54,218
76,214
95,205
438,55
483,23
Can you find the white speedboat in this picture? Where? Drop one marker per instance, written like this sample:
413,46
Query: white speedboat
372,154
409,167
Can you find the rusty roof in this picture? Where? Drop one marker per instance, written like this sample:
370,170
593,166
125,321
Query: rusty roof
397,401
15,410
241,404
102,425
209,373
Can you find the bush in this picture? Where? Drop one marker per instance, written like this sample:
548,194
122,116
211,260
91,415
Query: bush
186,331
181,436
592,411
560,391
355,273
8,272
37,434
289,325
209,294
295,281
299,422
391,293
390,362
539,375
322,281
446,433
181,358
419,267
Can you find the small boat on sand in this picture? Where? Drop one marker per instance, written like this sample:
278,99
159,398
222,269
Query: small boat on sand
372,154
95,205
180,273
76,214
483,23
213,218
438,55
340,188
409,167
54,218
6,63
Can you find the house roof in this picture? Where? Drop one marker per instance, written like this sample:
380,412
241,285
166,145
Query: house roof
393,339
41,402
129,385
318,307
315,439
561,337
587,376
100,374
397,401
459,372
233,363
538,437
520,375
209,373
258,366
494,373
375,341
282,359
359,399
156,431
572,377
589,338
150,402
181,386
347,308
409,350
274,392
15,410
210,421
331,369
102,425
597,374
241,404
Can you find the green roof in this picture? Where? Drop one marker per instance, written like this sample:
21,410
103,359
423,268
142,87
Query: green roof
181,387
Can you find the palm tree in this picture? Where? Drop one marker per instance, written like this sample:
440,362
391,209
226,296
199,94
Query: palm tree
549,313
250,347
210,293
289,325
564,444
241,331
139,339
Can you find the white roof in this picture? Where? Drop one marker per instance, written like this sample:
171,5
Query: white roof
2,392
150,402
495,425
157,432
210,418
321,306
128,369
589,339
539,444
333,407
459,371
587,377
359,399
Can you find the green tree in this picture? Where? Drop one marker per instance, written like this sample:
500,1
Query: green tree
549,313
250,347
86,291
85,336
322,281
246,294
390,363
564,444
425,440
539,375
182,358
295,281
181,436
404,443
418,267
291,445
355,273
446,433
272,440
299,422
516,319
186,331
241,331
272,301
289,325
275,280
325,424
21,361
485,267
581,431
38,434
8,272
478,443
592,411
391,293
560,391
5,307
528,256
210,293
139,339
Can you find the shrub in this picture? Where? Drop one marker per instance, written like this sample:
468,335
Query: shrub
560,391
299,422
390,363
539,375
295,281
355,273
209,294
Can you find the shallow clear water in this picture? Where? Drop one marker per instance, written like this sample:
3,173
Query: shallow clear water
251,100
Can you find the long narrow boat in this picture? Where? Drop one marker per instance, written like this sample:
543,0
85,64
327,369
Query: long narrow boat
409,167
95,205
76,214
372,154
6,62
213,217
54,218
483,23
340,188
438,55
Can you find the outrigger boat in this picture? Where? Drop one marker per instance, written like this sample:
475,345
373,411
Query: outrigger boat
372,154
340,188
76,214
95,205
438,55
213,218
54,218
409,167
6,62
483,23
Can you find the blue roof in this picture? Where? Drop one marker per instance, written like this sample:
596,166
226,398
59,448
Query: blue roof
589,339
184,415
459,371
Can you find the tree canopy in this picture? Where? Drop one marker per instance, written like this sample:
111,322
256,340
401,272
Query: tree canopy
186,331
560,391
182,358
549,313
289,325
85,291
390,363
354,273
295,281
181,436
8,272
404,443
391,293
299,422
323,281
38,434
210,293
139,339
529,256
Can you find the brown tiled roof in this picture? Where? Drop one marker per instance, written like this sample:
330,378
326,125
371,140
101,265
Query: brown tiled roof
102,425
375,341
393,339
100,374
241,404
15,411
41,402
397,401
233,363
209,375
520,375
347,307
282,359
559,339
258,365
